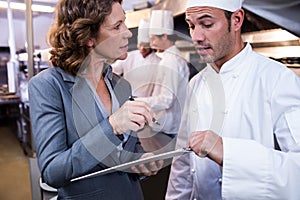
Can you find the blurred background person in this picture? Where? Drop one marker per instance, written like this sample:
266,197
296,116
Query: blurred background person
172,78
167,98
141,69
140,66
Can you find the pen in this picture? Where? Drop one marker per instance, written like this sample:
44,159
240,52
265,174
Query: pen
131,98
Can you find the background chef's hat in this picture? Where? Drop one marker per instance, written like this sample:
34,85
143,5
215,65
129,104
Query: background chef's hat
229,5
143,31
161,22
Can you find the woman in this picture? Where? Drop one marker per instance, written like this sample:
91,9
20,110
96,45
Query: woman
81,119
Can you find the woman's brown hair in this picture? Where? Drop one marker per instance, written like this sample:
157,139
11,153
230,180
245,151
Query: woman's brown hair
75,23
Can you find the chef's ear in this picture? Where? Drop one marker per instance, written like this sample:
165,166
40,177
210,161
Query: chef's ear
237,18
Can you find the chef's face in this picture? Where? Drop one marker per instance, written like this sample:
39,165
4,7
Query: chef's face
113,35
144,48
157,42
211,34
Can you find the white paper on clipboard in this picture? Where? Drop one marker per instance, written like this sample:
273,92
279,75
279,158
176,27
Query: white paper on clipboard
127,165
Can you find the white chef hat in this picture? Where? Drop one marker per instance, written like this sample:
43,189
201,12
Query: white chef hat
229,5
143,31
161,22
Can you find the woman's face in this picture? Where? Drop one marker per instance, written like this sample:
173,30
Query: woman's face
113,35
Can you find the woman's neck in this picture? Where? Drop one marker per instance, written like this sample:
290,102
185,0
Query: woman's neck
94,73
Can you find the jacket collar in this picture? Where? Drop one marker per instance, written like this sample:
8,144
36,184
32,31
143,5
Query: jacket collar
236,64
66,76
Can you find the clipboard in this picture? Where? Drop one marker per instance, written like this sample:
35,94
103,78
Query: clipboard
162,156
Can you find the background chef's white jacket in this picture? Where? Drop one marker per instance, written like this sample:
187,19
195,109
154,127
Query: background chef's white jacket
167,98
262,97
140,72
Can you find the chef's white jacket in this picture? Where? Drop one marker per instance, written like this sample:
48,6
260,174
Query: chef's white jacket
261,97
140,72
167,98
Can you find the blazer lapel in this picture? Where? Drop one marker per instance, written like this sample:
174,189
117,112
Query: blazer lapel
83,103
121,88
85,110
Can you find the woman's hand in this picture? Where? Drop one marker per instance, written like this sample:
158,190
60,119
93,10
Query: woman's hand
133,115
148,169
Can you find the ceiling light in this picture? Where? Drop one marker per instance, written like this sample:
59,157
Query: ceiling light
22,6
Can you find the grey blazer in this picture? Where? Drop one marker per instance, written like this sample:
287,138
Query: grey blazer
72,138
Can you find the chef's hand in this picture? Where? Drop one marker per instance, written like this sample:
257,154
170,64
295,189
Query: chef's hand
207,144
148,169
133,115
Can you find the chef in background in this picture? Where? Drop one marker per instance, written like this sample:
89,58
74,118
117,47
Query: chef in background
140,66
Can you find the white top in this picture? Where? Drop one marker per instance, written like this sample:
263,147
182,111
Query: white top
168,96
140,72
114,102
262,97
